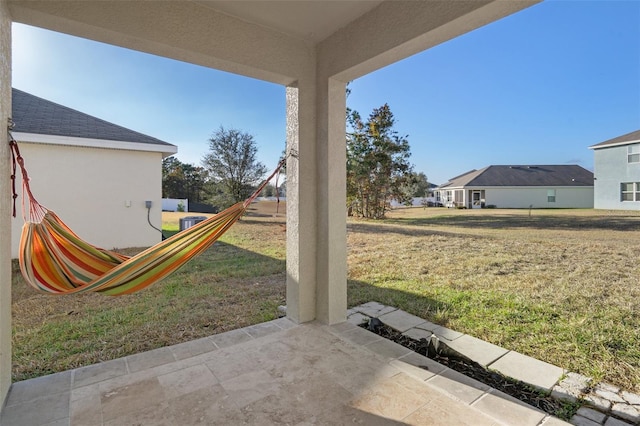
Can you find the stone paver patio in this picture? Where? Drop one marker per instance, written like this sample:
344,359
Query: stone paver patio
271,373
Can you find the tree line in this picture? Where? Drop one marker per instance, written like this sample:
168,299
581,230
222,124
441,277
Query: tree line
378,168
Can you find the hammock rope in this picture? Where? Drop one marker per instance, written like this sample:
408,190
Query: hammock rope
54,260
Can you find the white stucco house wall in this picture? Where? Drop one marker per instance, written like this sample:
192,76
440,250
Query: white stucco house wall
617,172
95,175
520,186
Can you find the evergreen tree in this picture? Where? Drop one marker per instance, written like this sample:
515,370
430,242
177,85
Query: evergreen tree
377,163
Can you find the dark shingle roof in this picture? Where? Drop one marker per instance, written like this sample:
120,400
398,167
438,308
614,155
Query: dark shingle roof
562,175
629,137
32,114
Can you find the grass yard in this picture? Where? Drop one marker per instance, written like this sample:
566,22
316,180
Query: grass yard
559,285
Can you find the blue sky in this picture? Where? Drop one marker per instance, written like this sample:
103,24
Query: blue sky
537,87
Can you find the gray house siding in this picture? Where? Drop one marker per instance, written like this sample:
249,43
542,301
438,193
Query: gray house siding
538,197
611,169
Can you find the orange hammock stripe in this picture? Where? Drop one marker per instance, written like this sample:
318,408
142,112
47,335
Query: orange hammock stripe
53,259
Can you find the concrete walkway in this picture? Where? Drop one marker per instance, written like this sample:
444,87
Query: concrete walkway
271,373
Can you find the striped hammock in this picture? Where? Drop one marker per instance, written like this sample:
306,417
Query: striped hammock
53,259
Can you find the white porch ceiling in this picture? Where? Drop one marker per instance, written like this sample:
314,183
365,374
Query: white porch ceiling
312,20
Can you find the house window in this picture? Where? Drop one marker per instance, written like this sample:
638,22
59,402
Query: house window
633,153
630,191
551,195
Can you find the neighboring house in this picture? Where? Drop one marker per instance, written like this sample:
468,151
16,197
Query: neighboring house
617,173
563,186
95,175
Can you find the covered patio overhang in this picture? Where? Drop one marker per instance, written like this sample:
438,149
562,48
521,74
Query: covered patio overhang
313,48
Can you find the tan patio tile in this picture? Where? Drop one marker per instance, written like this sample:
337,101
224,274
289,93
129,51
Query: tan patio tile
311,338
554,421
529,370
149,359
37,411
98,372
360,336
443,332
401,320
461,387
346,415
293,365
85,391
284,323
59,422
227,366
86,410
318,394
206,406
360,377
263,329
391,398
508,409
484,353
413,371
38,387
250,387
276,353
417,333
287,364
187,380
374,309
131,398
230,338
342,327
182,364
298,402
357,319
193,348
388,348
156,414
444,412
119,382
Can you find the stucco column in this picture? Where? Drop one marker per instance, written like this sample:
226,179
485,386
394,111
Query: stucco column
331,291
5,203
316,194
301,202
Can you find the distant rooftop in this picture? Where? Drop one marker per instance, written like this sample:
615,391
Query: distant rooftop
620,140
524,175
32,114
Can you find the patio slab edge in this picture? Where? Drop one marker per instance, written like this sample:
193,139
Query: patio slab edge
618,407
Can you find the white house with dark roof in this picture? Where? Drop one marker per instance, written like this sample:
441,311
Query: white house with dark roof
97,176
523,186
617,172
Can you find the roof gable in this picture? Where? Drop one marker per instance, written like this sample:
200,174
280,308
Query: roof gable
32,114
525,175
620,140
